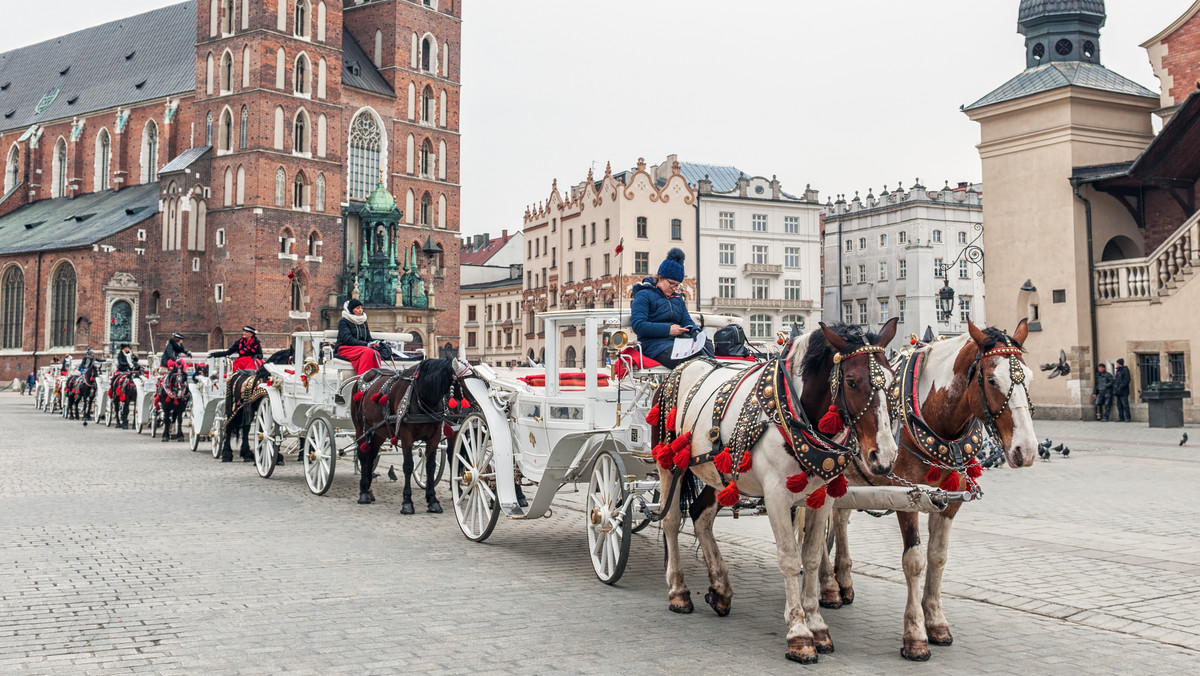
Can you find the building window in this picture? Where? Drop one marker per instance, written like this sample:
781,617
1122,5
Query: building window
862,312
298,190
14,307
791,289
426,210
791,257
641,226
789,320
725,253
641,263
962,237
245,131
150,153
901,306
471,342
570,272
883,240
280,187
1178,369
761,288
208,129
727,287
758,222
427,112
849,245
862,243
1148,369
297,295
220,237
587,268
862,274
901,269
219,293
225,132
963,273
227,17
103,158
676,229
791,225
847,275
937,236
366,141
884,311
319,201
12,169
593,233
607,230
760,254
303,20
902,237
226,74
59,186
62,313
725,220
883,271
847,313
938,269
964,308
760,326
607,268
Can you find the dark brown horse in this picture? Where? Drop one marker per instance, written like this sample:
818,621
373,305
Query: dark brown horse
242,398
958,390
171,397
81,391
401,408
122,392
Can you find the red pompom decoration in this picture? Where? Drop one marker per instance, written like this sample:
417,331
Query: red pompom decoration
671,418
663,456
796,483
364,446
652,416
723,462
465,404
950,483
683,458
837,487
375,398
729,495
358,396
744,465
831,422
933,475
453,403
974,470
382,400
394,441
816,499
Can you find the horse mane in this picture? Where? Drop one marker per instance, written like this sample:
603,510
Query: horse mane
434,377
819,350
994,336
964,362
284,356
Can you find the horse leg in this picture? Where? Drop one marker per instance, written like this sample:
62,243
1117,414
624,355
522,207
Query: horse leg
406,506
837,585
246,418
431,502
801,647
812,550
916,644
720,592
936,626
679,599
366,466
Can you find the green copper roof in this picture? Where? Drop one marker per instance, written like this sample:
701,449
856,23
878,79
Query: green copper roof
380,201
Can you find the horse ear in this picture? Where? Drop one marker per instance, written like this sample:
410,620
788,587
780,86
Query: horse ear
888,333
1022,331
835,341
976,334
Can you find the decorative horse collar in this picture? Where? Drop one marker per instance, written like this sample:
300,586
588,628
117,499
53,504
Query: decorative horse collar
953,454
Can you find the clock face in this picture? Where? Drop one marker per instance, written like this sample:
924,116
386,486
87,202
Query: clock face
1063,47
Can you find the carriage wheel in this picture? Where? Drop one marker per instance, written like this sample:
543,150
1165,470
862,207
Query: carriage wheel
262,440
608,519
643,520
110,410
193,428
439,469
473,480
216,435
320,456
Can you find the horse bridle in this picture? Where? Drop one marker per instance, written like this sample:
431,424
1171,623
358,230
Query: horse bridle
877,378
1016,374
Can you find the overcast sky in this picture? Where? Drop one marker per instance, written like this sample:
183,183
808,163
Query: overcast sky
844,95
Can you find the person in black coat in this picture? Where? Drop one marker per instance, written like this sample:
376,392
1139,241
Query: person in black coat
1102,393
354,343
1121,391
127,360
174,351
247,349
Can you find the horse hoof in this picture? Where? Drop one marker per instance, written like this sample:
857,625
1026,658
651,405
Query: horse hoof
719,604
847,596
939,635
226,459
165,439
915,651
434,507
364,499
802,650
822,641
522,502
371,496
831,600
407,508
681,603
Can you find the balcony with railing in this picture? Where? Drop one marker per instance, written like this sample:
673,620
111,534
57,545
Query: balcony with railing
762,269
1157,275
762,303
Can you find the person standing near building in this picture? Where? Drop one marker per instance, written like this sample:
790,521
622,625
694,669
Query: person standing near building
1102,393
1121,391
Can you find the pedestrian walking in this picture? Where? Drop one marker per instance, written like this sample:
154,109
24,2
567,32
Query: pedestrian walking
1102,393
30,382
1121,391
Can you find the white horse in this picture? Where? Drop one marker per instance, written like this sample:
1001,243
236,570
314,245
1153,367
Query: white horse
772,471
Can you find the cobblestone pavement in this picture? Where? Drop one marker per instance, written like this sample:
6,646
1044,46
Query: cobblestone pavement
119,554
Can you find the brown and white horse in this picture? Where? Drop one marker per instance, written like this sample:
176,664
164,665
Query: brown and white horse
973,384
768,466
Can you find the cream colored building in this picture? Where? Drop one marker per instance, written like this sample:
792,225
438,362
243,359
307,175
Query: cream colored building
1091,209
491,321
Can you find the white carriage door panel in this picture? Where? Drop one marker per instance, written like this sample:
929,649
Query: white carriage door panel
533,442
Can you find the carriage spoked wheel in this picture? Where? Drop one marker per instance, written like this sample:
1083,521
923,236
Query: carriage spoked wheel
154,415
193,428
609,521
473,479
215,435
263,441
320,455
439,457
110,410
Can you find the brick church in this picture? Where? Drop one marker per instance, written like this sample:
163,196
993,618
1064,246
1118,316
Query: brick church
217,163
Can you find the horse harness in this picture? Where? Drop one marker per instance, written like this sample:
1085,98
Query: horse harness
402,414
1016,374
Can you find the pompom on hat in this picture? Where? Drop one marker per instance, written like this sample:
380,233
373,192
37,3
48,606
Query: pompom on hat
672,267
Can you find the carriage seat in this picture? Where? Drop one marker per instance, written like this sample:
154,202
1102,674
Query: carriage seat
567,380
640,363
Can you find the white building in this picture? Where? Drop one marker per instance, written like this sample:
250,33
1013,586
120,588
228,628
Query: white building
490,299
760,251
887,256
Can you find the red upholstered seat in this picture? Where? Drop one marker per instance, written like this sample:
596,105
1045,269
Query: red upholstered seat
639,360
570,379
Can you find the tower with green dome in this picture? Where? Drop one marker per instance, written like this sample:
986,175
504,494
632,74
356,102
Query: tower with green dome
381,265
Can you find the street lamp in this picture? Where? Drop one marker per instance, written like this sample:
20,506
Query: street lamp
945,301
971,253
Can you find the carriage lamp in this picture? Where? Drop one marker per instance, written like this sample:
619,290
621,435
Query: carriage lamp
945,301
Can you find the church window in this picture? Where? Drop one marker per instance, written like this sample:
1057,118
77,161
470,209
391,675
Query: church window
62,310
1039,51
319,201
227,17
280,187
322,136
428,54
314,242
241,185
301,133
246,67
228,186
321,78
225,132
426,159
58,188
321,21
278,128
297,295
366,142
244,132
298,189
426,210
1063,47
442,109
301,76
150,153
427,113
303,19
103,160
227,72
208,75
441,162
14,307
280,69
214,18
208,129
377,57
12,169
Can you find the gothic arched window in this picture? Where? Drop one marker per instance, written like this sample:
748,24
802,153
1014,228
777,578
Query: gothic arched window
280,187
62,310
319,198
150,153
298,190
225,132
245,125
303,20
59,187
208,129
301,133
14,307
12,169
103,160
366,143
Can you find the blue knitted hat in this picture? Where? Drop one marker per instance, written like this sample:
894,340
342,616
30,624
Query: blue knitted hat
672,267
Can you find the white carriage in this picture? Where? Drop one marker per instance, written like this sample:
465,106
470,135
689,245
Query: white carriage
146,382
102,407
308,404
205,417
46,388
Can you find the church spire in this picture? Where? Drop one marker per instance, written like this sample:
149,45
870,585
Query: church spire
1060,30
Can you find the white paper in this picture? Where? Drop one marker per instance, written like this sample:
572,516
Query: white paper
686,347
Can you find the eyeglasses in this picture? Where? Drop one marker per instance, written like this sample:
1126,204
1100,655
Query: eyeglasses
674,284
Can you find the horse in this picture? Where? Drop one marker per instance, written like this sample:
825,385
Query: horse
955,391
402,408
122,392
242,398
171,396
81,389
769,447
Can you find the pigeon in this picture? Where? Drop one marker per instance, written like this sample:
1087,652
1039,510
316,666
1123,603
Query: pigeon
1183,440
392,473
1062,368
1044,452
1066,452
1059,448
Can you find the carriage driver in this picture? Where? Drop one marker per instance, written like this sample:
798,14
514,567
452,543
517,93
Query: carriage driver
248,350
354,343
174,351
127,359
88,360
658,313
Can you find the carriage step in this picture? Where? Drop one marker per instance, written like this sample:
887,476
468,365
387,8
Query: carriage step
512,509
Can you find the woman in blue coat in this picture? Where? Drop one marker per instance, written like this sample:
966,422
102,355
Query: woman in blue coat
658,314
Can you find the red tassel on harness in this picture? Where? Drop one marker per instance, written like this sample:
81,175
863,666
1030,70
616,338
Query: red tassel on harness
837,487
465,404
681,442
663,456
816,499
364,446
683,457
723,462
358,396
744,465
671,419
796,483
652,416
933,475
375,398
950,483
729,495
974,470
831,422
394,441
383,400
453,403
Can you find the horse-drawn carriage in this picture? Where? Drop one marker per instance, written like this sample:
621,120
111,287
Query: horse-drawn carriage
205,416
48,390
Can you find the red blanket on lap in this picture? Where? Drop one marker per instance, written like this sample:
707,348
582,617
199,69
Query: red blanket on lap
363,358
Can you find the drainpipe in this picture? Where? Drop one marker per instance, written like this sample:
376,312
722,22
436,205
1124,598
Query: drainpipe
699,263
1087,207
838,273
37,312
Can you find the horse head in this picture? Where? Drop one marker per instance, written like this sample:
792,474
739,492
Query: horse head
175,382
998,389
845,372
